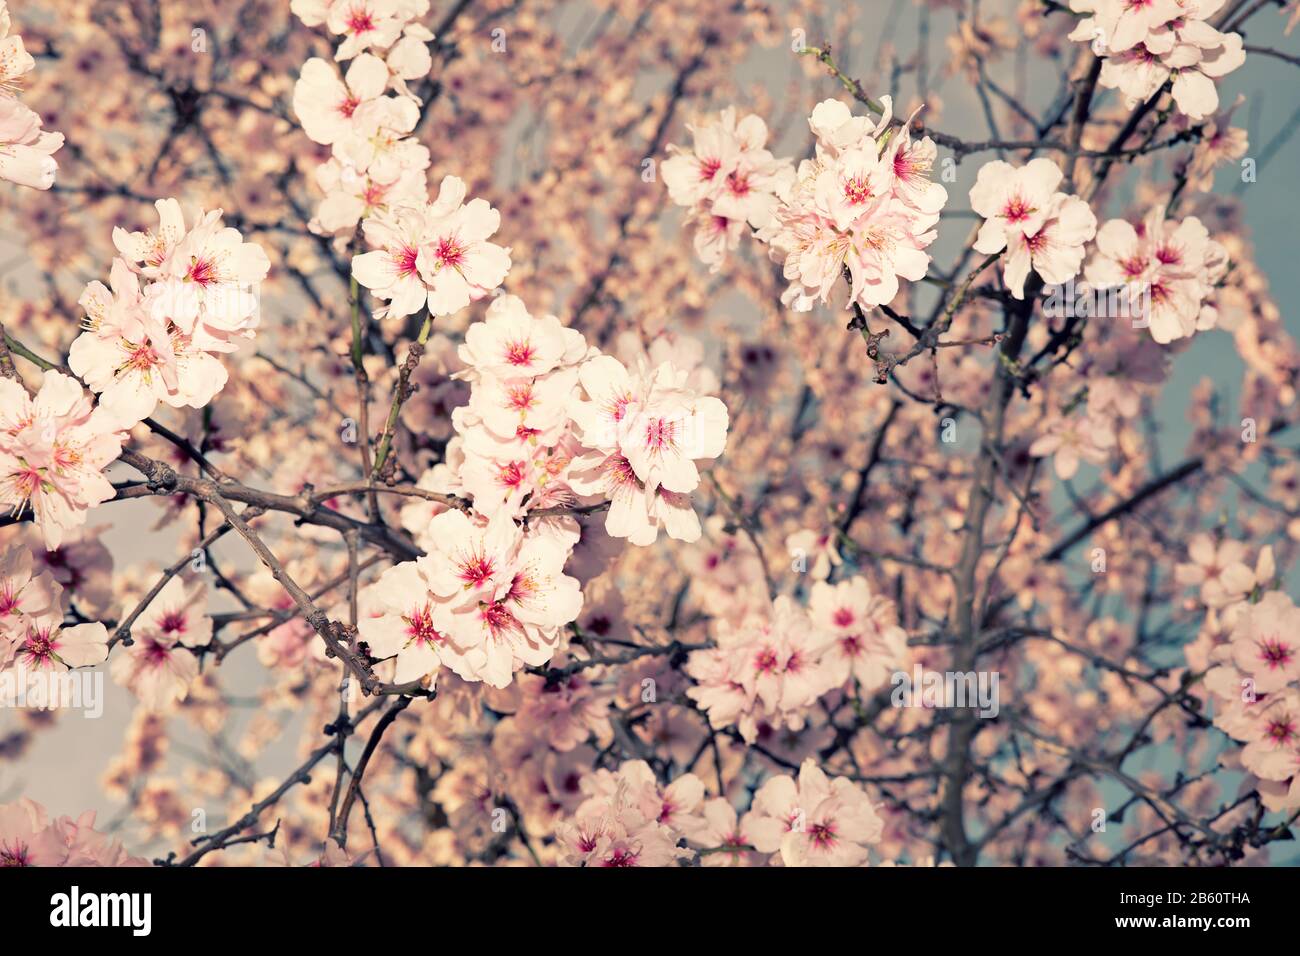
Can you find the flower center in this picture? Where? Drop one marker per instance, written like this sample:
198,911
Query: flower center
498,619
822,835
156,654
511,475
1134,266
360,21
14,854
405,261
202,270
1274,653
660,434
857,190
419,626
1017,210
450,252
38,648
519,353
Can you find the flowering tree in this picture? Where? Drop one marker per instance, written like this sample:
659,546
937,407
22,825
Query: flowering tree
468,450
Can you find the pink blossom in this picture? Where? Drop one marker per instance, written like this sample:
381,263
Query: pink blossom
866,644
45,644
858,205
24,594
1041,229
330,109
437,254
770,668
53,451
814,822
412,624
1218,569
1070,439
26,151
1266,642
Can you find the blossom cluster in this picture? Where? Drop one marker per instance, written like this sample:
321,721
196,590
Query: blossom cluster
1168,268
29,837
552,425
1039,227
53,452
161,340
26,150
162,662
547,693
728,181
865,202
31,620
630,820
1144,45
375,163
768,670
1249,648
435,255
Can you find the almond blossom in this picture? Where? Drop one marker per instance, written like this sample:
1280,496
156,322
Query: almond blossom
1145,44
412,625
367,24
615,828
157,669
160,664
22,593
1168,270
768,668
178,613
160,342
866,645
654,421
53,451
1040,229
815,821
28,837
723,835
1266,642
728,181
331,109
351,196
43,643
207,285
1219,570
1072,438
134,359
511,343
860,204
436,255
1220,143
1272,737
26,151
676,805
486,601
544,679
